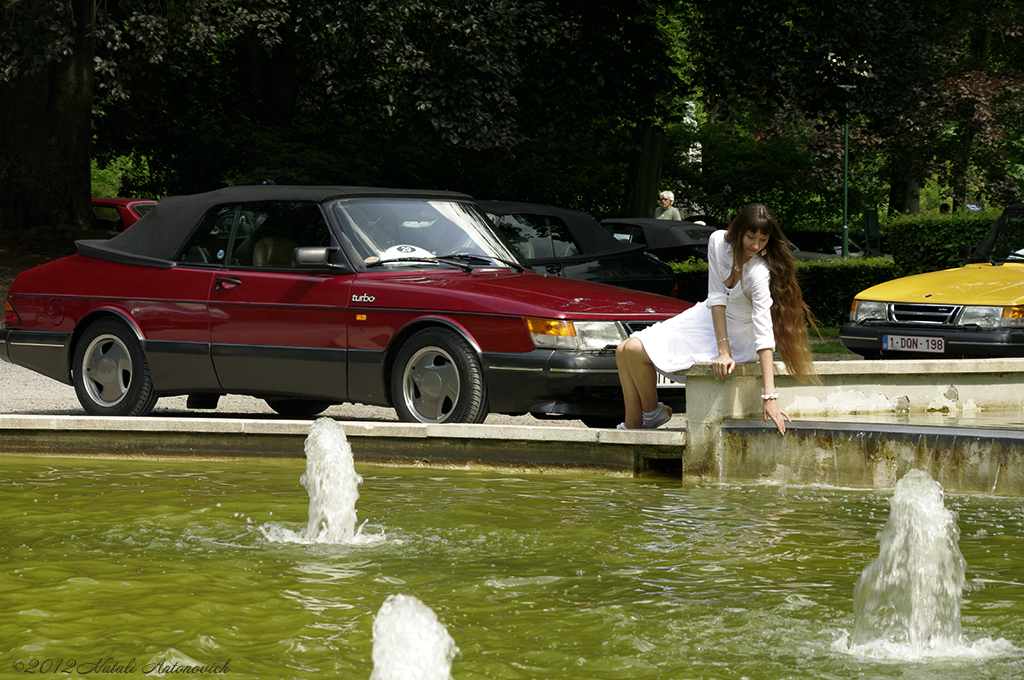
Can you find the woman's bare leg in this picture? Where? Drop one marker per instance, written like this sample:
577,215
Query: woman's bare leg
639,381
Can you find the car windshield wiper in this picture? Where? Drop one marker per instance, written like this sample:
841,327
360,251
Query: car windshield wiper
433,260
486,259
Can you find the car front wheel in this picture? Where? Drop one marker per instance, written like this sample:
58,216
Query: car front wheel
110,372
437,378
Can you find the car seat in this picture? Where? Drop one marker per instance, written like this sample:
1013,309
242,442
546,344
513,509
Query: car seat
273,252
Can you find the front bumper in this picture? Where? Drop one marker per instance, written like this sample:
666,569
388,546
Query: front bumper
866,340
558,382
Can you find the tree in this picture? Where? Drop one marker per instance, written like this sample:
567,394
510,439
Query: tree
871,63
46,81
516,99
924,81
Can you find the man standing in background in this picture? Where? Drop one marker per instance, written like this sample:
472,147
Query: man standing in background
667,211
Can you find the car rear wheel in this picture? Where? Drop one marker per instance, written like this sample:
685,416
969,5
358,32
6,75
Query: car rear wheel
437,378
299,409
110,371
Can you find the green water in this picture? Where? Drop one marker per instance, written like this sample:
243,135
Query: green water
534,576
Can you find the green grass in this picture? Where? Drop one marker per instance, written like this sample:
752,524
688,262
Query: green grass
828,342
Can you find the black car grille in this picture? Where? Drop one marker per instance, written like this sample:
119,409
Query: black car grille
923,315
634,326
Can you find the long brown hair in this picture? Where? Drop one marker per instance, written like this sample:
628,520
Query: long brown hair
790,314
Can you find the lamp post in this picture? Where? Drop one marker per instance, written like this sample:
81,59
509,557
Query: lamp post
846,175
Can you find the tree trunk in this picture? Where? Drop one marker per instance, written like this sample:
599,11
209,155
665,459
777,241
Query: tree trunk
645,176
906,171
45,137
904,195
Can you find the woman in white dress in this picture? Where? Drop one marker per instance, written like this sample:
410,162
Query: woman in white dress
754,302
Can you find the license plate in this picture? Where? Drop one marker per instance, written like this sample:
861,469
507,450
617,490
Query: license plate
664,383
913,343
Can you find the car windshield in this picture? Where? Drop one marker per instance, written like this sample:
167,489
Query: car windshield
1008,245
419,233
538,236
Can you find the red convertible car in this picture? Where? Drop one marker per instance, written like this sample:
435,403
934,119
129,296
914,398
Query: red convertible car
313,296
118,214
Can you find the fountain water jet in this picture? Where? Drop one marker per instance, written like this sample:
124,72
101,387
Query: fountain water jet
910,595
332,482
410,643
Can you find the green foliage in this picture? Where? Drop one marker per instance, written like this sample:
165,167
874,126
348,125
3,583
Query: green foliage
499,98
930,242
115,178
829,286
797,171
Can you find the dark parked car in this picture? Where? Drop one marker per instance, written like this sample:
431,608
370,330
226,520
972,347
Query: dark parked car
312,296
117,214
668,240
573,244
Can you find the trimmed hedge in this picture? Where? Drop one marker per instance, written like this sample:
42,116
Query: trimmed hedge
828,285
927,243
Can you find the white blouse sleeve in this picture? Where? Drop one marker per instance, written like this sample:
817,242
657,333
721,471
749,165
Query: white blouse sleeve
719,268
761,298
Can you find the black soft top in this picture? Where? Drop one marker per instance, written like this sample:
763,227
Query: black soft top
583,226
157,238
667,233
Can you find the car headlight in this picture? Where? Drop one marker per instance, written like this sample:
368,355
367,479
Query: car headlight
992,317
980,317
589,336
867,310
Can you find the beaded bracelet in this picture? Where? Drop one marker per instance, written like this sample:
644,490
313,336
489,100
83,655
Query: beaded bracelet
768,397
725,339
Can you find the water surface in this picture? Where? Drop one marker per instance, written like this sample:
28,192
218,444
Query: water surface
534,576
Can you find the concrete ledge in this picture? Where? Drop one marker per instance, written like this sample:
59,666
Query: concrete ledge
873,455
614,451
847,387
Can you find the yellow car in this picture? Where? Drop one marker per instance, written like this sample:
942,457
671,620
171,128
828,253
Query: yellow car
974,311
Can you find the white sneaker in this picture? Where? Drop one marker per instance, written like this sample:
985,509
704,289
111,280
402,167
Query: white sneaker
661,416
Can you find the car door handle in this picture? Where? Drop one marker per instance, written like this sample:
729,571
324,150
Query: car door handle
227,283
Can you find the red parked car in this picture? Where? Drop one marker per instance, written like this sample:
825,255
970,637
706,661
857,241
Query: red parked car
120,213
312,296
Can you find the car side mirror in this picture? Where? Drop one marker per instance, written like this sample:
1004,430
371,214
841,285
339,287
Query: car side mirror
316,257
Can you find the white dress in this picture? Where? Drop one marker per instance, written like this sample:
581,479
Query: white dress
678,343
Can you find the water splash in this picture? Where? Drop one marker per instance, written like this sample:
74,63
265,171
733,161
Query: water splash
907,602
410,643
911,593
332,483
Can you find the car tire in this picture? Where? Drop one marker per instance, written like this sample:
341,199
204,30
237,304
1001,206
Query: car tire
110,372
299,409
437,378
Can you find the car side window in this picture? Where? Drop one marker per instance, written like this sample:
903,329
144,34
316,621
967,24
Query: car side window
209,243
538,236
256,234
266,233
627,233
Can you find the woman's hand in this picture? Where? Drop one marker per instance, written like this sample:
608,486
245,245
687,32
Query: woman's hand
774,413
723,366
